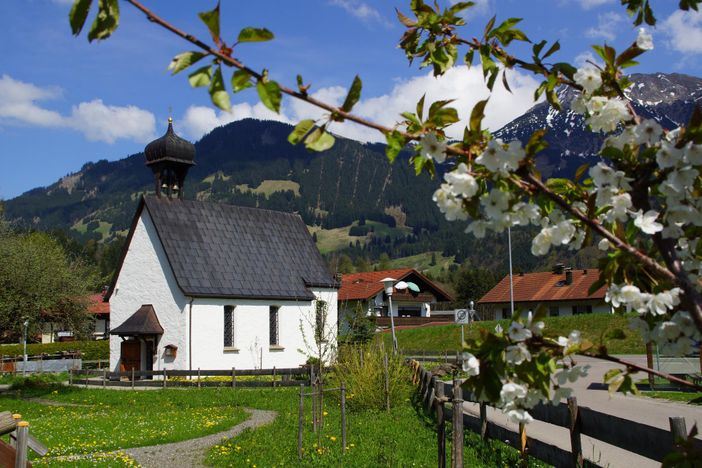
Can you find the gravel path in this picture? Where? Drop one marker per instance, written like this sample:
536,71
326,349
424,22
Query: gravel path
191,453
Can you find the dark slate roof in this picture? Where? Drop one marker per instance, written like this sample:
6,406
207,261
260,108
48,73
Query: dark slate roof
142,322
220,250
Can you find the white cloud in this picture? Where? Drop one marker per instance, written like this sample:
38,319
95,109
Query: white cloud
589,4
684,30
97,121
361,10
607,26
465,85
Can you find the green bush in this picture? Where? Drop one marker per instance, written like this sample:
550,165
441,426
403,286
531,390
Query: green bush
91,350
361,368
34,381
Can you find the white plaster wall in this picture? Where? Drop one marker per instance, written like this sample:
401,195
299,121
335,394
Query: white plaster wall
251,337
146,278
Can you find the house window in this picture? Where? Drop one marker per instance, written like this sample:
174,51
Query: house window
505,313
273,325
229,326
320,320
582,309
553,311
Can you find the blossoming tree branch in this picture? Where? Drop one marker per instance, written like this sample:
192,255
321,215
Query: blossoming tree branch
640,205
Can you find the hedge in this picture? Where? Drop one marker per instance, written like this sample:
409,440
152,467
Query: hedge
92,350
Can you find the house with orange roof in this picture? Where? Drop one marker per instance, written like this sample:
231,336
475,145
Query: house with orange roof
97,308
366,290
562,291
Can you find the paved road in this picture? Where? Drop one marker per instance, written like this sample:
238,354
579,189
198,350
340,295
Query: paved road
654,412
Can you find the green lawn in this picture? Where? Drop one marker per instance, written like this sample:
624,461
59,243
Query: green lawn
693,398
422,262
598,328
92,422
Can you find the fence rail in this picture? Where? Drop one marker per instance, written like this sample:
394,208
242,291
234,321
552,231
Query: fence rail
642,439
284,377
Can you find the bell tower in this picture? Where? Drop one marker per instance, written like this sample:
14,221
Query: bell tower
170,157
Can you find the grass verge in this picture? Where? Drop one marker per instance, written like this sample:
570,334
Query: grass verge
693,398
611,330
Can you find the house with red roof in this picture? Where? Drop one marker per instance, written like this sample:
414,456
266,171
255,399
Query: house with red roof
365,290
562,291
97,308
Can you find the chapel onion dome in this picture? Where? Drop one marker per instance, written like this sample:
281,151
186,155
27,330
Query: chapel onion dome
170,147
169,158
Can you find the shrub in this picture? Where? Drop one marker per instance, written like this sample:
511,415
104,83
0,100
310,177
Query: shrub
91,350
361,368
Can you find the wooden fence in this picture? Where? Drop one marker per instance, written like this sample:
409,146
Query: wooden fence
647,441
285,377
14,452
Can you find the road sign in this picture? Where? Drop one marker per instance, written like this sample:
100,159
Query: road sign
462,317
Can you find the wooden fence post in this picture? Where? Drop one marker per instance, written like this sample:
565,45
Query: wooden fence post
104,378
457,461
649,363
70,376
483,421
430,394
22,432
575,423
233,377
273,376
387,381
343,417
132,378
300,418
440,426
313,394
198,378
677,428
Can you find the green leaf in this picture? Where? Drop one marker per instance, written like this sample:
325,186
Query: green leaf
477,115
106,21
319,140
218,93
211,20
353,96
489,25
580,172
200,77
183,60
241,79
395,142
554,48
444,117
78,15
270,94
300,131
404,19
254,35
420,107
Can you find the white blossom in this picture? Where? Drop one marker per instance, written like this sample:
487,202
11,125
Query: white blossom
499,160
433,148
478,228
693,154
495,203
604,245
647,222
589,78
517,354
606,114
573,339
641,327
668,155
519,415
647,132
644,40
659,304
461,182
449,204
560,393
471,364
512,391
620,207
518,332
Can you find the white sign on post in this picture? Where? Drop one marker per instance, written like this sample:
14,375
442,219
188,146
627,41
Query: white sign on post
461,316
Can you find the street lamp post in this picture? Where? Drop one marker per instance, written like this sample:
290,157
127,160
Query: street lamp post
24,345
388,283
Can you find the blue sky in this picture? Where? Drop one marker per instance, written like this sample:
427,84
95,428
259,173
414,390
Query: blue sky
64,102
